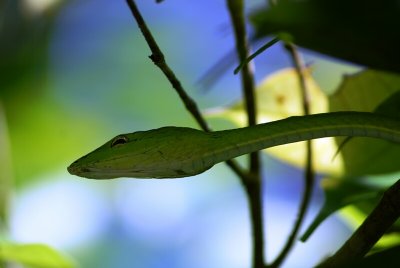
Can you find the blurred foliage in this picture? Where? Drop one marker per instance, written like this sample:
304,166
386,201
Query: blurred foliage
357,31
36,120
31,122
42,137
23,50
23,68
34,256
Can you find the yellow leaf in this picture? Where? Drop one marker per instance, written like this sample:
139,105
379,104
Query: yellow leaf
278,97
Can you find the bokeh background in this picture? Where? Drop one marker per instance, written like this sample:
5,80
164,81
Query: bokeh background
76,73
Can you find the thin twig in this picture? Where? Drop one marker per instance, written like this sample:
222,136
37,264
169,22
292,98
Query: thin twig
159,60
309,174
252,186
222,65
255,54
371,230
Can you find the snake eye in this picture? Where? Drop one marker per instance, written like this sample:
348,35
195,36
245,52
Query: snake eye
119,140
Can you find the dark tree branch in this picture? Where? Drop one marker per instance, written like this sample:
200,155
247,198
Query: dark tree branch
253,186
371,230
159,60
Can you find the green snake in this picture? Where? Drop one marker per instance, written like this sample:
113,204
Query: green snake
175,152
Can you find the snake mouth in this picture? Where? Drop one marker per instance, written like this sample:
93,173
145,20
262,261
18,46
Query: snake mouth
78,171
100,173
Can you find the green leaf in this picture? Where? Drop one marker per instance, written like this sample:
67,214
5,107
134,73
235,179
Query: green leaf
366,91
338,194
34,255
349,30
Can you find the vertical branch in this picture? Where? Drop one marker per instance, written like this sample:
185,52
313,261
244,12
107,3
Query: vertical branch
236,11
309,174
159,60
252,185
301,73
